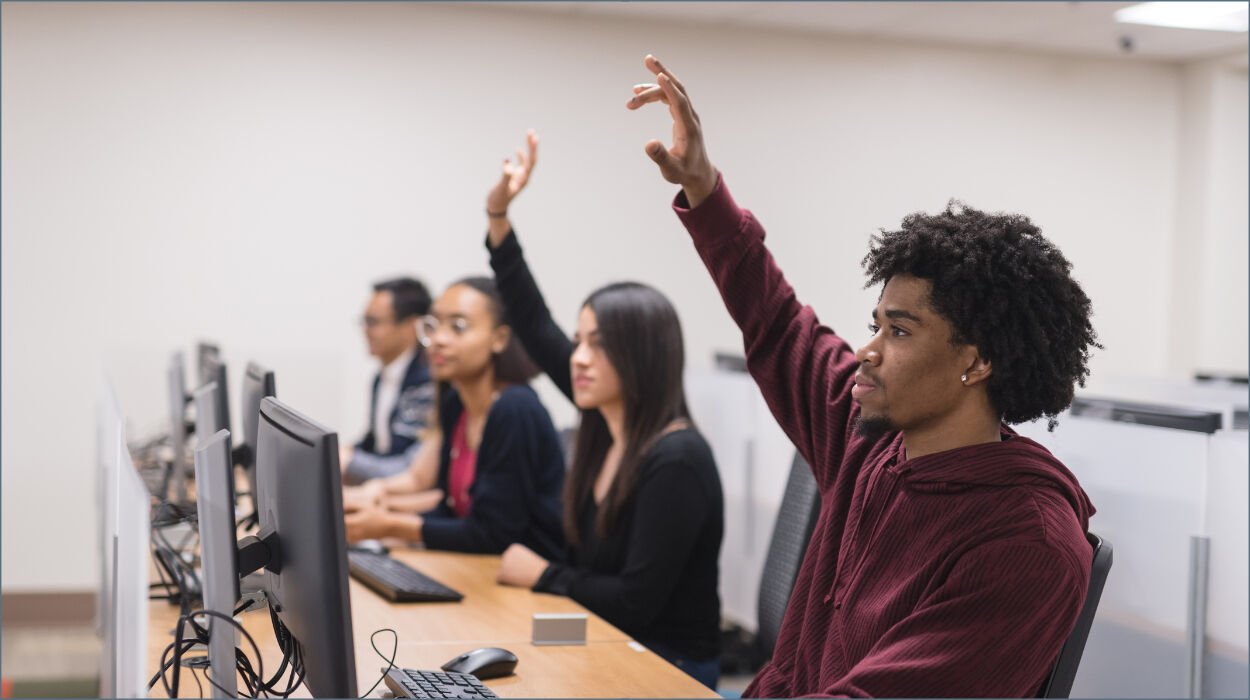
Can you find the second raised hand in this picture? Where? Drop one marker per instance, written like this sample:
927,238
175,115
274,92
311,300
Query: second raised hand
513,178
686,162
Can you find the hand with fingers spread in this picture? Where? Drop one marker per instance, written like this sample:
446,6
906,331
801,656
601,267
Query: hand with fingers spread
686,162
513,180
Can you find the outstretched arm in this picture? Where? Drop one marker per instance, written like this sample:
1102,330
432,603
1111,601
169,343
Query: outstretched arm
528,314
803,369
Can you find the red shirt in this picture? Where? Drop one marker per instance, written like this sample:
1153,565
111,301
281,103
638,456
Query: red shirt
463,468
957,574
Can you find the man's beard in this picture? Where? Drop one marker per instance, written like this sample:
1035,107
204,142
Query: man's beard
873,428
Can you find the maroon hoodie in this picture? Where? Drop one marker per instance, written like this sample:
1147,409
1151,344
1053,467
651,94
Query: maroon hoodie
958,573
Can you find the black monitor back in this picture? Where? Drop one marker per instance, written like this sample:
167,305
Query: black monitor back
208,400
218,549
176,491
207,354
215,371
258,382
299,497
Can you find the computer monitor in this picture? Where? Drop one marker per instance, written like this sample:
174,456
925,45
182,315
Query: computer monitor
258,382
215,371
176,491
129,652
206,354
218,550
208,422
300,503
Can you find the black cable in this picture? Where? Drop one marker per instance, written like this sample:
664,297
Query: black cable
390,663
208,676
196,676
171,564
292,655
165,663
184,578
171,586
193,532
283,638
181,646
244,668
296,677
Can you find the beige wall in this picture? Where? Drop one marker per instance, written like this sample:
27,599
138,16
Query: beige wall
243,172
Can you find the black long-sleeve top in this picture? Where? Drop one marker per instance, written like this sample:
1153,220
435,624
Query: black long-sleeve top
516,485
655,575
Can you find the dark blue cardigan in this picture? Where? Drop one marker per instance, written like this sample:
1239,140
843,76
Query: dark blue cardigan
517,485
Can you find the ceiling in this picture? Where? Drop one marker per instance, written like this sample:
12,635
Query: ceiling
1087,28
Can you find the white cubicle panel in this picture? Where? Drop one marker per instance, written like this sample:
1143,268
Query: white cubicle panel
110,431
1148,485
753,457
130,585
1154,489
1224,398
1227,671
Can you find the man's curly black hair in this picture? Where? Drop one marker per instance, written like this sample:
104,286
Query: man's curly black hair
1007,291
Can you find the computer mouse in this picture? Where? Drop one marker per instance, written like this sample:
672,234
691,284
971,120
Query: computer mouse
486,662
370,547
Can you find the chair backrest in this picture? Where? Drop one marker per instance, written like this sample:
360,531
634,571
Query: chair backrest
1059,683
568,444
796,518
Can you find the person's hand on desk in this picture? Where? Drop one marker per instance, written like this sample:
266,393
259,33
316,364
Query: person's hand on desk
371,494
520,566
413,502
376,522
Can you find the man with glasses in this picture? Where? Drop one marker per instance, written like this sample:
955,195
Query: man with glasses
403,394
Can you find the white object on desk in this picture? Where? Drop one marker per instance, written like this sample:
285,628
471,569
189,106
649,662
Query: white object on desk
559,628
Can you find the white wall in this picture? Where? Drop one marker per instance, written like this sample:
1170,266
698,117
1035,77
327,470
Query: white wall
243,172
1208,319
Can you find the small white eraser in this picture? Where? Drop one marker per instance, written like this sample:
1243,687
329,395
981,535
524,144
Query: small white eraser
559,628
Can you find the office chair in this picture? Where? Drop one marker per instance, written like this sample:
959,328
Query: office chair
796,518
1059,683
568,444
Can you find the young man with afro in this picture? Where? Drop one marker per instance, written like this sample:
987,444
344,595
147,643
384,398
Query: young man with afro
950,556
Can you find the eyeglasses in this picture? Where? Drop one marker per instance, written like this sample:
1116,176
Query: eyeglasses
429,326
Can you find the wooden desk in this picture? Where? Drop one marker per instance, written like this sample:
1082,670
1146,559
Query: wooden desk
609,665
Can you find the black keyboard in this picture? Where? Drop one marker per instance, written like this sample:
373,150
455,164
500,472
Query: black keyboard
396,581
411,683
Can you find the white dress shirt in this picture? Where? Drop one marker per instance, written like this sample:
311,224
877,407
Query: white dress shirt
392,379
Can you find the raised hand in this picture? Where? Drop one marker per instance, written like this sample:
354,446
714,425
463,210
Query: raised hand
686,162
513,179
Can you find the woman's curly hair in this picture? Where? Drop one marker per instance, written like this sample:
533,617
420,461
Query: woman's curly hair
1007,291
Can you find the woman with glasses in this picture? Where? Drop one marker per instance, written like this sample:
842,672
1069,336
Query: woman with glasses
643,509
492,474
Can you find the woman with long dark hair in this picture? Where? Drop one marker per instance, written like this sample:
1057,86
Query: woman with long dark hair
643,509
499,470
